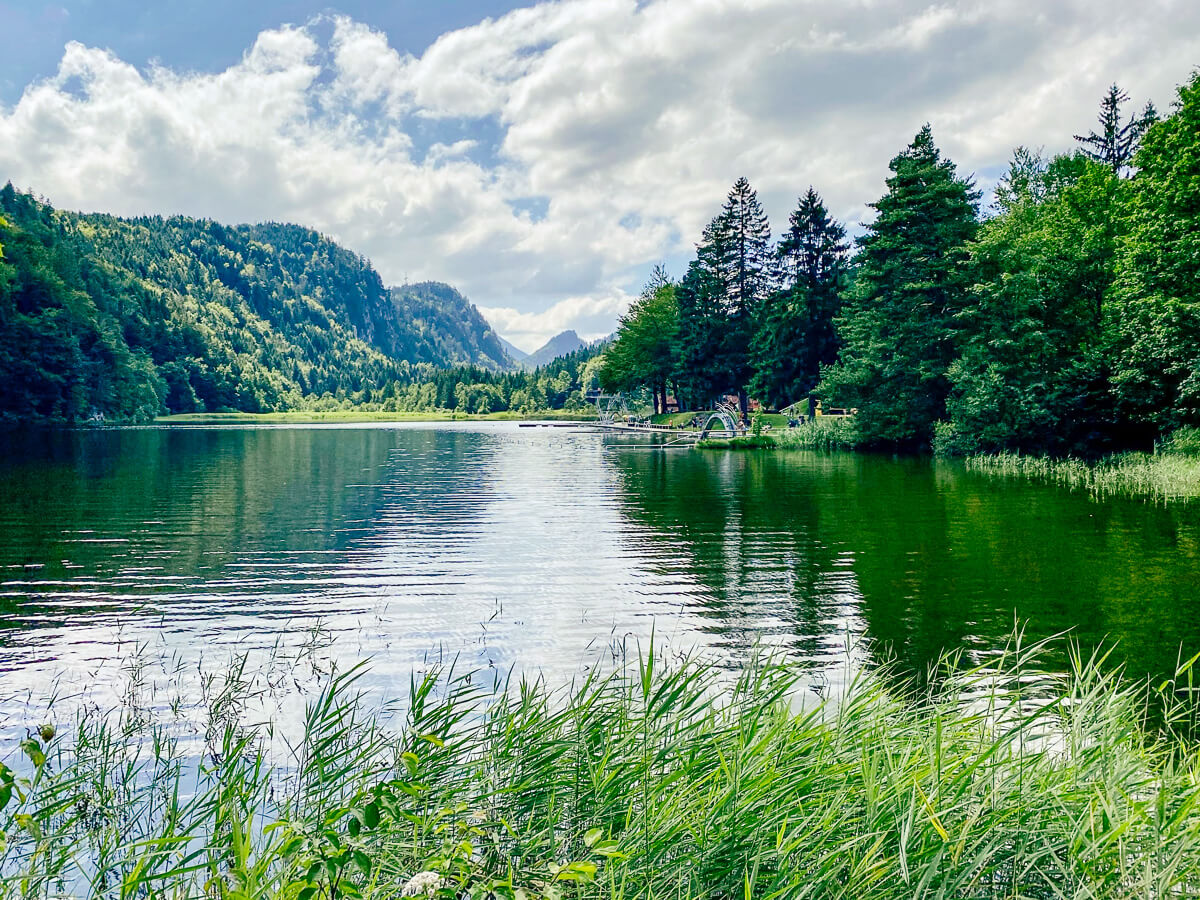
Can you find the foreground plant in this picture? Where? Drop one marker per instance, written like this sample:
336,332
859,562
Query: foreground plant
666,782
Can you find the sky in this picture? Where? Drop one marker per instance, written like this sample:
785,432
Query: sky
544,158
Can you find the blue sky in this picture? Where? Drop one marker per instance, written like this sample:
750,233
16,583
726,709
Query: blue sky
206,35
543,158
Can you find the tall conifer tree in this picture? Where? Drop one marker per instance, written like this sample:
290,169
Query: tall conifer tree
1115,144
796,334
899,320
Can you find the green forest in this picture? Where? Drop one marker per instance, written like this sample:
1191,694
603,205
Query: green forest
122,320
1062,319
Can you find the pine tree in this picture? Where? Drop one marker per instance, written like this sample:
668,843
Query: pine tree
747,260
796,334
735,261
898,324
1115,144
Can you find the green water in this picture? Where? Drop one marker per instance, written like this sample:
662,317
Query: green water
542,548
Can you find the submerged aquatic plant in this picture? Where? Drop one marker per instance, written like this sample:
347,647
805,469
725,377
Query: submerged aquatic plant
653,780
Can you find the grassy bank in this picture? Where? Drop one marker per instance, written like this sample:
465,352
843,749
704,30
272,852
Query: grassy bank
652,782
351,415
1171,473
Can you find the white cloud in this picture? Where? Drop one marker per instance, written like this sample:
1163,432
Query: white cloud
591,317
542,160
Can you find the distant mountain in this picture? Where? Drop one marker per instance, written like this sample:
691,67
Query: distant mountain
128,318
450,326
559,345
515,353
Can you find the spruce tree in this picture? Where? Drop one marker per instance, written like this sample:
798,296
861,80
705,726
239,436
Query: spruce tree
898,324
1115,144
796,334
735,254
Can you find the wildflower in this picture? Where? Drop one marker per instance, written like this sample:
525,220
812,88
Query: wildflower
422,883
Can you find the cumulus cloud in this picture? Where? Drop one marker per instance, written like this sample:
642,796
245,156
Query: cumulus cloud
591,317
543,160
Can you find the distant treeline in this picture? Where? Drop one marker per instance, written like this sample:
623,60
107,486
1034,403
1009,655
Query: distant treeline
1065,319
560,384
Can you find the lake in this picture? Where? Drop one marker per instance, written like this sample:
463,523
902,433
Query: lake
543,549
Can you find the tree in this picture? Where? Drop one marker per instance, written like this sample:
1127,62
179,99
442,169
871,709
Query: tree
1115,144
1153,321
700,298
1030,376
795,334
643,352
721,295
747,266
898,323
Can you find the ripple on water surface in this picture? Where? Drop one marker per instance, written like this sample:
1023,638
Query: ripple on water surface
542,549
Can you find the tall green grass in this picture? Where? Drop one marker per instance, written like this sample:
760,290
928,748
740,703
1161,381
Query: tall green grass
1165,476
821,433
652,781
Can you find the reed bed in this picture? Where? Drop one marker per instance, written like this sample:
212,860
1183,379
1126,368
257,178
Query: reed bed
1169,475
821,433
653,781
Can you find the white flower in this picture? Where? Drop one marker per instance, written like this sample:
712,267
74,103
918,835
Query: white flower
422,883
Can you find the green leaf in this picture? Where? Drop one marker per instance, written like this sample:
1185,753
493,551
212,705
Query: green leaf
371,815
411,761
577,871
362,861
592,835
33,750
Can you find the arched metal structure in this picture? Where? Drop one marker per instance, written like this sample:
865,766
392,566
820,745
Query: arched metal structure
609,406
727,415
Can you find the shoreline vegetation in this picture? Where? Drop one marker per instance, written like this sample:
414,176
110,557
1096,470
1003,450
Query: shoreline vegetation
1171,473
667,781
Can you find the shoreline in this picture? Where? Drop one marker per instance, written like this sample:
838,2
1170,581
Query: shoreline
300,417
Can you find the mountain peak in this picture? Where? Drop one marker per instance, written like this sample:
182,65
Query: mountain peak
560,345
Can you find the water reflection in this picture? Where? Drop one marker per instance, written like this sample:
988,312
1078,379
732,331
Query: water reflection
543,548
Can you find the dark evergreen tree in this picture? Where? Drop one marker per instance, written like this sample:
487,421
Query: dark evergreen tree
1115,144
898,323
747,272
795,333
701,336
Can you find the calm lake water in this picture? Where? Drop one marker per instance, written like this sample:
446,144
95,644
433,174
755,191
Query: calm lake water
542,548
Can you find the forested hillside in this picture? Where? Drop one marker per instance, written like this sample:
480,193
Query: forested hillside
124,319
